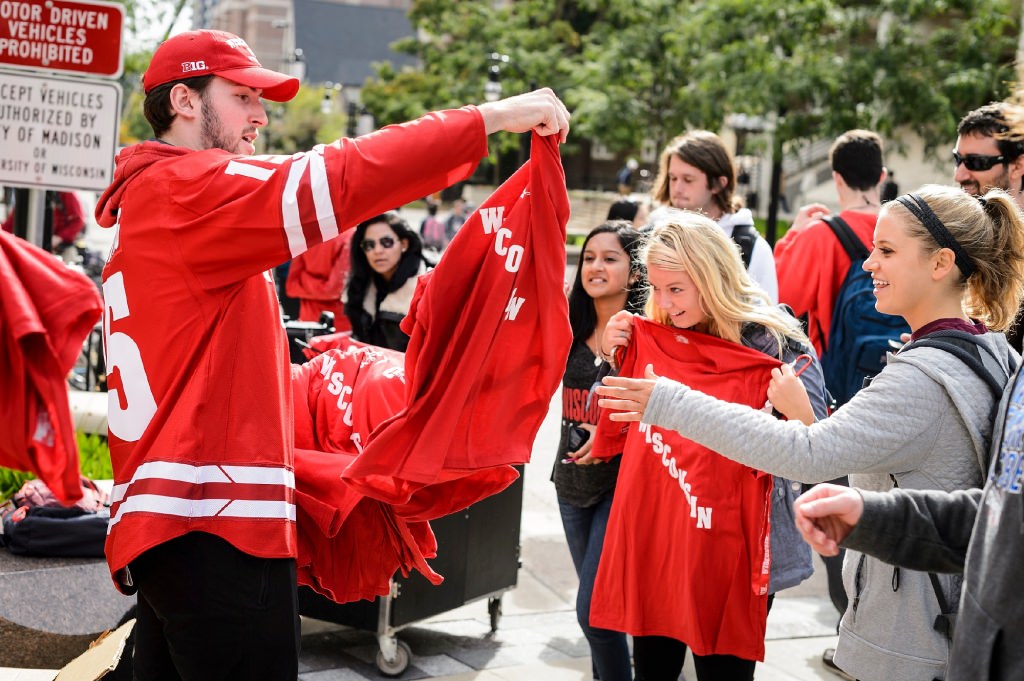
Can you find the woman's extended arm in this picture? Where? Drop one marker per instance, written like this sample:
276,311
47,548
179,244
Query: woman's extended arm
886,426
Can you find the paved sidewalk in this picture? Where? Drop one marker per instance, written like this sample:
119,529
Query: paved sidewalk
538,636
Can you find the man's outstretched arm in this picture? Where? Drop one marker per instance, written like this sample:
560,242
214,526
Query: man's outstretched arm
926,530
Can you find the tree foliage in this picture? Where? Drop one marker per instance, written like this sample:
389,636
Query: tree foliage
635,70
301,123
540,41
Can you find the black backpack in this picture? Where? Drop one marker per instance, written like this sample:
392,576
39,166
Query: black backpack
859,336
745,237
985,364
977,356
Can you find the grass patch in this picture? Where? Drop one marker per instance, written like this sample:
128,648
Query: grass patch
93,459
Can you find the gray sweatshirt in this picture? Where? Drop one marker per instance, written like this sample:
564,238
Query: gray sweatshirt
925,420
928,530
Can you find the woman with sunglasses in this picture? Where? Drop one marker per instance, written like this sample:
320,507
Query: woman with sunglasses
387,258
945,262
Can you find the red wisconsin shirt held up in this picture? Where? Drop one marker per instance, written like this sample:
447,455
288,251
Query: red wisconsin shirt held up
490,333
686,549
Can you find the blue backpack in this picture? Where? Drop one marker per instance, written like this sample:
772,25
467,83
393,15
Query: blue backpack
859,336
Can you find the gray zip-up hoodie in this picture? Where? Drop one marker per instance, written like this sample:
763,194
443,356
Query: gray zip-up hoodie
937,531
924,420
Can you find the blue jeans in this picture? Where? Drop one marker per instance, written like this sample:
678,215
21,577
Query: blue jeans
584,531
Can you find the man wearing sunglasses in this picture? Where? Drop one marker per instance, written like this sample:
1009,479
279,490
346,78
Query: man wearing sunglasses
984,158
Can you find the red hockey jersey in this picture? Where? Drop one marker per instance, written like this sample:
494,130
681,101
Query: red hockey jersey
200,413
686,548
46,311
488,341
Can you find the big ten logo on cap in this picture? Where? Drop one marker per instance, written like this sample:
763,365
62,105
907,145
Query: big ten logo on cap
189,66
239,43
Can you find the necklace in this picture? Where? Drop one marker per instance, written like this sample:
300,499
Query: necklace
868,203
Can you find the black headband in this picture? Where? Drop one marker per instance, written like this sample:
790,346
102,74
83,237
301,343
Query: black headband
923,212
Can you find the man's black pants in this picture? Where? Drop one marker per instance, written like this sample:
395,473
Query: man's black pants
208,612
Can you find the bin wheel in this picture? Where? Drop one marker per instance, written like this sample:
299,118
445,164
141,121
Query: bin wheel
494,610
401,662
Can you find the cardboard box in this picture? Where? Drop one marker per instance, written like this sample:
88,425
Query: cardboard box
100,659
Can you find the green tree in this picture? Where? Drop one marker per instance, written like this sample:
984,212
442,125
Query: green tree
540,40
301,123
635,70
814,68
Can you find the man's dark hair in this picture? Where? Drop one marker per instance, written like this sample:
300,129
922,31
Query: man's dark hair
990,121
157,105
857,156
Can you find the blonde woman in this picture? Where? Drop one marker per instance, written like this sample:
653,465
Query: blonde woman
946,262
672,582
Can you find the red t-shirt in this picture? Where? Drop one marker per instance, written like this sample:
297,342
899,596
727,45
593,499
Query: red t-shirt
811,265
317,278
46,311
488,341
686,551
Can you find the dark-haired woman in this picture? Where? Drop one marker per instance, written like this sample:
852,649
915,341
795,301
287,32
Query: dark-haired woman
606,282
387,258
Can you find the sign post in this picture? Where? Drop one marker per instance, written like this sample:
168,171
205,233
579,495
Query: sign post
58,131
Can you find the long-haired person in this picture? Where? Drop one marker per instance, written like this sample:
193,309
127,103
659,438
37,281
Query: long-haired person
607,281
696,172
685,565
945,262
387,258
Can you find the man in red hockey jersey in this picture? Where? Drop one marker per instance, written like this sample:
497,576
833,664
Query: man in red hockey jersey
200,414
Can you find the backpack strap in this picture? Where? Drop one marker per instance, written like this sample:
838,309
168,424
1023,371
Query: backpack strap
851,243
745,236
946,618
960,343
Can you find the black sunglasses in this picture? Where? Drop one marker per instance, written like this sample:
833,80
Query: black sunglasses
977,162
369,244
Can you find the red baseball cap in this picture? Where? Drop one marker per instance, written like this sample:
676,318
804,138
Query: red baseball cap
206,52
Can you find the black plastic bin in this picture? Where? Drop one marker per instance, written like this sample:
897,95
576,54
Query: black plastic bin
478,555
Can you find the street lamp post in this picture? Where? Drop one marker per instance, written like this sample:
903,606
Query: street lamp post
493,91
360,121
329,103
492,87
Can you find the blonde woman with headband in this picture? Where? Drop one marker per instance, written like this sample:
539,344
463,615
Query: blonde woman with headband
953,267
720,577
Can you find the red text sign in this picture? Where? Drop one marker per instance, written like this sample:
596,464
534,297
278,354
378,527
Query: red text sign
62,35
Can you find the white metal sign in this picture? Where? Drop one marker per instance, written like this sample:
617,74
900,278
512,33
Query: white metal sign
58,133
